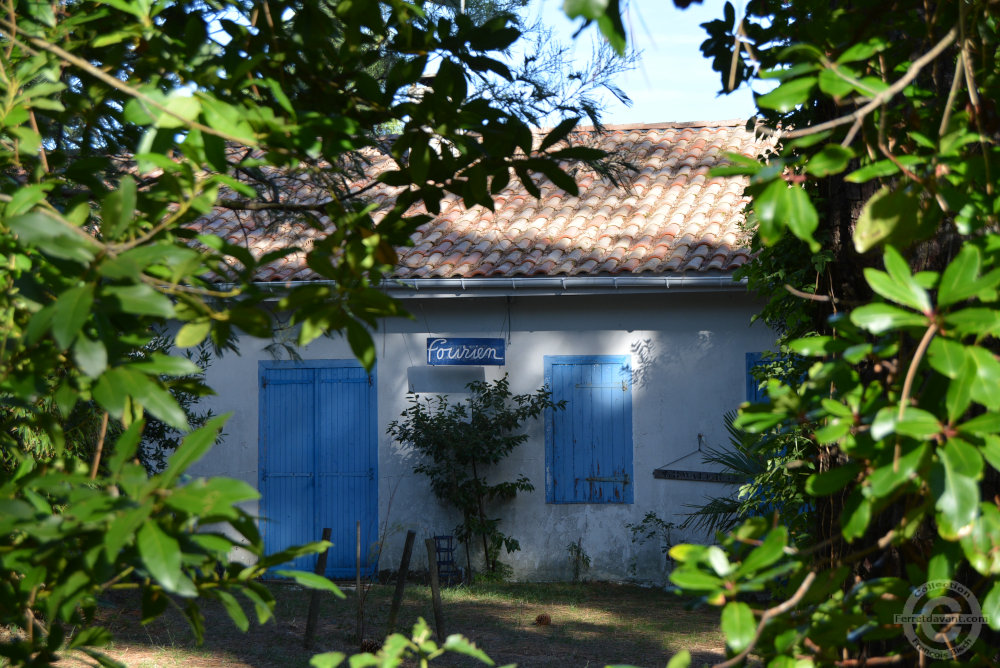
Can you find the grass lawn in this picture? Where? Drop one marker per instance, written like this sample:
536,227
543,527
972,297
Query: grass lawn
592,624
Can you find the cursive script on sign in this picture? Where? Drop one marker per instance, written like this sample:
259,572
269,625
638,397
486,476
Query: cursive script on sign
452,351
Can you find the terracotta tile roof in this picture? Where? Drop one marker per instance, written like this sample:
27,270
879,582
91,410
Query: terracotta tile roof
674,218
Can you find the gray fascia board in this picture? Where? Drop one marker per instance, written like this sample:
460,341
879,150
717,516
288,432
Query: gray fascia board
429,288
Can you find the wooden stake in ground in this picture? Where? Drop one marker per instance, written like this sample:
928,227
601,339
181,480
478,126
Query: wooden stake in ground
404,567
314,596
357,586
432,569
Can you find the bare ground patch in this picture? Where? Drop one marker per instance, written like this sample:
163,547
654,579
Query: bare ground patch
592,624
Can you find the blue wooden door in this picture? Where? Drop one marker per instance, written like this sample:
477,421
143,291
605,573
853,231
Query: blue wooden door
318,459
589,443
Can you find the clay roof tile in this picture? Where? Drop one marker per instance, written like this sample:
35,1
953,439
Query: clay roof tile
672,218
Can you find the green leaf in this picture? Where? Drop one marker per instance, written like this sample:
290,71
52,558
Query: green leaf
974,321
905,289
180,109
559,132
262,606
738,625
192,333
881,318
856,515
118,208
54,237
767,553
213,497
986,386
694,580
167,365
883,168
125,447
832,82
686,552
991,606
918,423
25,197
193,447
718,560
161,555
863,50
462,645
800,215
959,394
944,560
91,356
767,206
980,543
957,494
991,450
588,9
327,660
312,581
149,392
832,159
885,212
959,279
788,95
110,392
233,609
828,482
947,357
680,660
886,478
963,458
817,346
69,313
141,300
362,344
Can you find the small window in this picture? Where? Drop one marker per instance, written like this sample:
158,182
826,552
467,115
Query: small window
588,445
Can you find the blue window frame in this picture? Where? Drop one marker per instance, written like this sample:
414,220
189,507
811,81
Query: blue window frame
588,445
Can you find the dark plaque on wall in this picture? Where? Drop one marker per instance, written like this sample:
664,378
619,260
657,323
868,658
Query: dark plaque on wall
443,351
697,476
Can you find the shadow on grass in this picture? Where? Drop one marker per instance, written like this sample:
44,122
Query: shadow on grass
592,624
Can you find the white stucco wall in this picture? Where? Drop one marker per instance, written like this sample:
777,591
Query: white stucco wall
687,352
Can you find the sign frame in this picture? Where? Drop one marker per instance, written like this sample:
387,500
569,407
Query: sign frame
466,351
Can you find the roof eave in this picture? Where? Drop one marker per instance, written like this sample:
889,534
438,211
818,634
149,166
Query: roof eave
523,286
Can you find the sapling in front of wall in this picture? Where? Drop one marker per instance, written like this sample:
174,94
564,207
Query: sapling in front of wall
460,442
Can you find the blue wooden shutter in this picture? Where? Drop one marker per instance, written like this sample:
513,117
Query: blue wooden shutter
755,393
346,464
589,444
318,459
287,481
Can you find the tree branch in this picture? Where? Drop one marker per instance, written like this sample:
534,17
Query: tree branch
96,464
114,83
770,614
883,97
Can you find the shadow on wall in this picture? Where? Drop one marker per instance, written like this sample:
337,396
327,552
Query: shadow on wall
644,359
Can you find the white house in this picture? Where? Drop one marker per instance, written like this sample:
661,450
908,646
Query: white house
621,301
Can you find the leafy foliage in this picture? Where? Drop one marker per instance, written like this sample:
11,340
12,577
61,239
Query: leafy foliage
121,124
653,528
886,181
69,537
418,650
579,560
772,472
460,442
